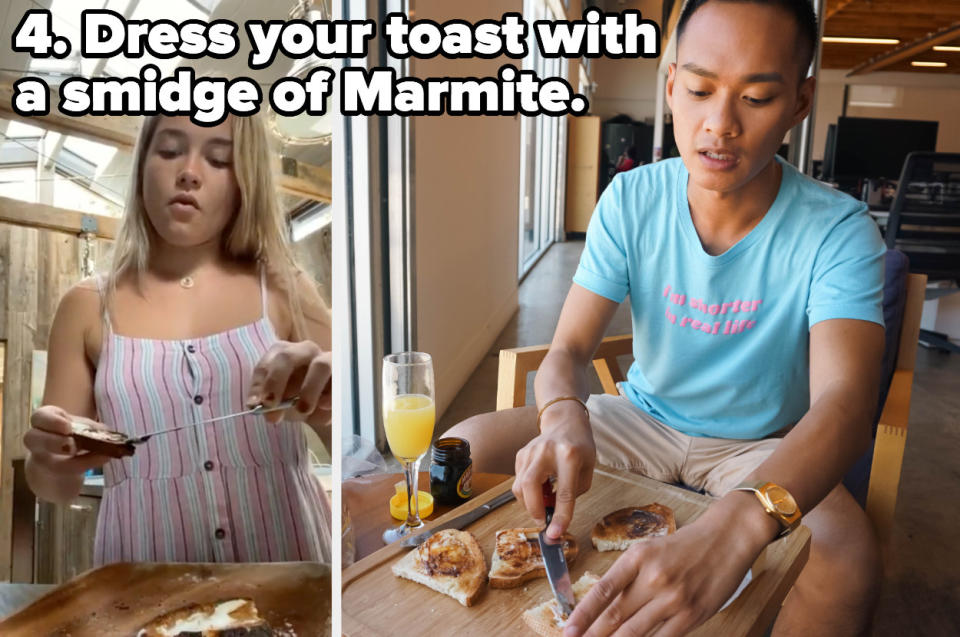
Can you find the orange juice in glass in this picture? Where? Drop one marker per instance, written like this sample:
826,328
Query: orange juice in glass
409,421
408,418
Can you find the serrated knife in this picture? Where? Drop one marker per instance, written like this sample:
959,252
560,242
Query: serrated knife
553,560
460,521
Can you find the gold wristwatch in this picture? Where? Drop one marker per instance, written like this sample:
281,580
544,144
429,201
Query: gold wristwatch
776,501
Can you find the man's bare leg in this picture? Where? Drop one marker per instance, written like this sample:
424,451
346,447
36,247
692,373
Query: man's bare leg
496,437
837,590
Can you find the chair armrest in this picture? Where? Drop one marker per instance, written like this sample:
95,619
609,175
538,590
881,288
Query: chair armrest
515,364
888,454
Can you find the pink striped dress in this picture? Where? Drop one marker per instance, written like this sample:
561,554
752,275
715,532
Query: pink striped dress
240,490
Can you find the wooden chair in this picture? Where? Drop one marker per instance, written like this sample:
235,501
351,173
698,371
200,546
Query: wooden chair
517,363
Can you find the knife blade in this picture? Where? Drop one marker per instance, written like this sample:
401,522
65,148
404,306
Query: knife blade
254,411
460,521
553,560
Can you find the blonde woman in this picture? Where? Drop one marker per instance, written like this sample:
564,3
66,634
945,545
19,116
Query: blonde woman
202,314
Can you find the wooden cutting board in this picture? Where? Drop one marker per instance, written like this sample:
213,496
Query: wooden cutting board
118,599
375,602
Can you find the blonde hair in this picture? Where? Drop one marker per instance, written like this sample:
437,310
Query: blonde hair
257,232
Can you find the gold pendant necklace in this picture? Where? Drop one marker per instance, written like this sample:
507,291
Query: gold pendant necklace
186,282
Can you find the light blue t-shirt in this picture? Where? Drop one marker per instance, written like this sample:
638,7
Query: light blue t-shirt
721,343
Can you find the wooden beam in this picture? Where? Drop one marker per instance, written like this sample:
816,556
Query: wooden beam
907,50
305,180
38,215
838,8
120,131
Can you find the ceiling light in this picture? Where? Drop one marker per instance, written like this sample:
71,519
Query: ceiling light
843,40
946,48
934,64
305,129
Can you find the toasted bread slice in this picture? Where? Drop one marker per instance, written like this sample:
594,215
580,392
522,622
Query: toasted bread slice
450,562
102,441
227,618
517,558
546,618
624,527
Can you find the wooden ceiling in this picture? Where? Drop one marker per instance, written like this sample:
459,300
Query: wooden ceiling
907,20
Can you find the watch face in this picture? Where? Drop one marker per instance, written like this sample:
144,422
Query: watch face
781,500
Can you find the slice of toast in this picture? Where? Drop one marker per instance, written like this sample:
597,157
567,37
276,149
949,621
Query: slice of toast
517,558
450,562
546,619
227,618
102,441
624,527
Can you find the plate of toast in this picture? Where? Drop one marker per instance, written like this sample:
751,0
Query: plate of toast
282,599
489,578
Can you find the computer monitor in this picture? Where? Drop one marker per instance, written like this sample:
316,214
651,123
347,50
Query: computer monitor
829,152
869,148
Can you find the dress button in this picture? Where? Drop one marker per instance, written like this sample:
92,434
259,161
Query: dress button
220,534
191,349
208,465
198,399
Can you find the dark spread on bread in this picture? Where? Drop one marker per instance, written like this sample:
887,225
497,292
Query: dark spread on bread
518,552
104,435
635,522
442,556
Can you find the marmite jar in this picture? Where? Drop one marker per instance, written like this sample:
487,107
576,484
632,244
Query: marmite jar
451,471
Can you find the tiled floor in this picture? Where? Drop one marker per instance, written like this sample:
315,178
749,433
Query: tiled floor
921,594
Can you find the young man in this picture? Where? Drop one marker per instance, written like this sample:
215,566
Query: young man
756,301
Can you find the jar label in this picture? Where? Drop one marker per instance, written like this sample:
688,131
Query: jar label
464,487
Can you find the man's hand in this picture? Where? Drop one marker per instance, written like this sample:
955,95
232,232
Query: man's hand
564,449
669,585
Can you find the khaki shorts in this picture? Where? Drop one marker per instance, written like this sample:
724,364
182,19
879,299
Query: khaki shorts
629,438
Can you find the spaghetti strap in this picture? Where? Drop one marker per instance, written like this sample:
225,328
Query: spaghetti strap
263,291
104,310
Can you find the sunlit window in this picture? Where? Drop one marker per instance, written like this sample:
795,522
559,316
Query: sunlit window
98,154
19,183
68,193
75,174
17,130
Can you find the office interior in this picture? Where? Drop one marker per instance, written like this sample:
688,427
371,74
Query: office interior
474,253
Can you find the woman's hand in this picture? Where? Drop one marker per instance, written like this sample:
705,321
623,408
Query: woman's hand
564,449
294,369
52,448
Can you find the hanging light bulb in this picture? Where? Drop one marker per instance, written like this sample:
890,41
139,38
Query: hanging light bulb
304,129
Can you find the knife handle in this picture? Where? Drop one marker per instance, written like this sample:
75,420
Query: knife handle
549,499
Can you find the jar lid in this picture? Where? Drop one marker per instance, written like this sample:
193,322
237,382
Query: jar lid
398,503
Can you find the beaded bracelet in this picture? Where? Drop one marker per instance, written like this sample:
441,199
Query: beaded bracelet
558,399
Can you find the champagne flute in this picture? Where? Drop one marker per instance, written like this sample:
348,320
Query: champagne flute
408,418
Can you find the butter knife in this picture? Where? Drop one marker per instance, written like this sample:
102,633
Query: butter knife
553,559
460,521
259,409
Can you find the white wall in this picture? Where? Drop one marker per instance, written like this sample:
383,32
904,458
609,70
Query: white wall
466,192
926,96
627,86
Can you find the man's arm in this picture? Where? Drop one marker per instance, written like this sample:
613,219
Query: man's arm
565,446
845,360
683,578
